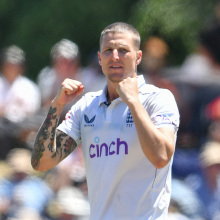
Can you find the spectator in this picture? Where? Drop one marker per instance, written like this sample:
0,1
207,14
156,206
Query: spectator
69,204
198,83
192,207
92,72
155,55
209,187
22,194
207,183
203,66
19,98
68,181
64,64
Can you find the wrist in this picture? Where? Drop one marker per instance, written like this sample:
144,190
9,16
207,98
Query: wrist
135,106
132,103
57,105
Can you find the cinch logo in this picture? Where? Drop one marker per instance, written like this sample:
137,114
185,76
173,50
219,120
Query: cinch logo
99,150
89,122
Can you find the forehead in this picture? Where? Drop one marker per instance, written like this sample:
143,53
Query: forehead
117,39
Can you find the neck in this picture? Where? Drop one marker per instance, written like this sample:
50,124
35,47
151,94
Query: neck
111,94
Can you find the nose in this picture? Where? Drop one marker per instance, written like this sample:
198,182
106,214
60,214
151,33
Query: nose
115,54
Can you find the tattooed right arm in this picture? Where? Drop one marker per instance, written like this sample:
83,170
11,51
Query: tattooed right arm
51,145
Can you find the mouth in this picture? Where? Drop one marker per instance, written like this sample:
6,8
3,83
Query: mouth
115,67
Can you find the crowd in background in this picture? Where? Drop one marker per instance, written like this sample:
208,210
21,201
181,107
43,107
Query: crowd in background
61,193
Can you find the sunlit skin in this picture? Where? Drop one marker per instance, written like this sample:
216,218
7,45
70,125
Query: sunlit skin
66,68
12,71
118,58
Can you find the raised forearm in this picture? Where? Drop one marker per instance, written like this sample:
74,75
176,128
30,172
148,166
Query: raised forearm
45,146
157,144
52,146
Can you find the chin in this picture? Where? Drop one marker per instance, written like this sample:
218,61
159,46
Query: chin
116,77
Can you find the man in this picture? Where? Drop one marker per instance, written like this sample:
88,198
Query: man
22,194
19,99
127,132
64,64
19,96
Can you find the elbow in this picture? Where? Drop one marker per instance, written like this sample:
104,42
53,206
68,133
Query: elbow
159,161
34,163
159,164
162,161
40,168
37,166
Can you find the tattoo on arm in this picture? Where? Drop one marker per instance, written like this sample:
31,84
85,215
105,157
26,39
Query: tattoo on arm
65,145
45,136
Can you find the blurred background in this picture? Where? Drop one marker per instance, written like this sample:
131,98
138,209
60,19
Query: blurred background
36,26
43,42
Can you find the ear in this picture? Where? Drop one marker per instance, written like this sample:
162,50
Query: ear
99,57
139,57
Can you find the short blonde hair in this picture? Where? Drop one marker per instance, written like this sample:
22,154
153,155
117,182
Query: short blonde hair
121,27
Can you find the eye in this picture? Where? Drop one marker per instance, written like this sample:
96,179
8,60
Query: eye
123,50
107,50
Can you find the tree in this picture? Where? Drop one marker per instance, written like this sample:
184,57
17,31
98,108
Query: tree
36,26
178,22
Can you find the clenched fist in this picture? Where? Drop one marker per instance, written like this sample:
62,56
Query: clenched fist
68,91
128,90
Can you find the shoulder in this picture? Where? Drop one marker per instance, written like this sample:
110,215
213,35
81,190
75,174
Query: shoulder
159,100
148,88
47,73
27,81
88,100
93,95
28,85
1,80
152,91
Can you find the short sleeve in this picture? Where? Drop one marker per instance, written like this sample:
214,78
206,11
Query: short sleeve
163,110
71,124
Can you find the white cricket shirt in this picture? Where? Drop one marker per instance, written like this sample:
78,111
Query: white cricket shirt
19,99
123,184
